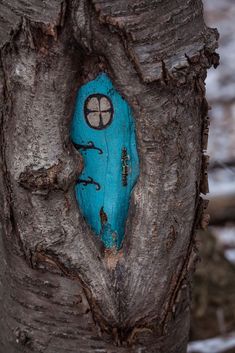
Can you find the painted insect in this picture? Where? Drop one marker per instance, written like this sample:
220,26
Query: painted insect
124,166
103,131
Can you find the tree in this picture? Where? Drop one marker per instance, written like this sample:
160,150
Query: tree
60,290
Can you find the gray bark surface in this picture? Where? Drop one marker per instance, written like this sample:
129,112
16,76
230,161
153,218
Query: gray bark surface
61,292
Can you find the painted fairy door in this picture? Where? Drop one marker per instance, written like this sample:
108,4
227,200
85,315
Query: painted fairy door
103,130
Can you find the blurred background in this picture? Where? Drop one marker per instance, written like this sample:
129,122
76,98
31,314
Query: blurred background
213,309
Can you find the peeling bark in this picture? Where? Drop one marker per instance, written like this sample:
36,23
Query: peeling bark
61,292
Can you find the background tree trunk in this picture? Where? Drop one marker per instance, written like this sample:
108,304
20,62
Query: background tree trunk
60,291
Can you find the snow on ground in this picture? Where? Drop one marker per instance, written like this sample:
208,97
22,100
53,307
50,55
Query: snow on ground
230,255
213,345
220,83
225,236
222,181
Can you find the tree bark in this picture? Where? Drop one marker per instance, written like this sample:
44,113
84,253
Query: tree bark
60,291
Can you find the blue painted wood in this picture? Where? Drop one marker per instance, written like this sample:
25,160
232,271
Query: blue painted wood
103,130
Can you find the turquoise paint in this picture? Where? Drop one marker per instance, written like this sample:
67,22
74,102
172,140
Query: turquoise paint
111,163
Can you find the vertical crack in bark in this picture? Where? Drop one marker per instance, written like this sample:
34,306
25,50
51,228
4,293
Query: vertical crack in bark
10,219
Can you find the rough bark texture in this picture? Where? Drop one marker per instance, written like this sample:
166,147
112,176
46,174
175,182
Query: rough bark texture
60,291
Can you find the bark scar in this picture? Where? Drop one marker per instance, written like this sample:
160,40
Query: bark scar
41,179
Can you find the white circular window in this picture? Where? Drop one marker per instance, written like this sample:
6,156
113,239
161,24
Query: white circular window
98,110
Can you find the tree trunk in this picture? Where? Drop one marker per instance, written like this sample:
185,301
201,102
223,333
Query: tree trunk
61,291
